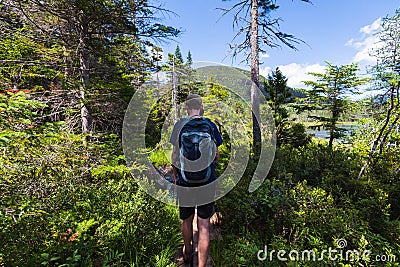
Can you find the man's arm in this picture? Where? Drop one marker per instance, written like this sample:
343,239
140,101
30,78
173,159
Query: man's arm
217,138
175,158
216,133
175,150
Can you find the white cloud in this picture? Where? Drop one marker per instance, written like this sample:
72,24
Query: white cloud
264,55
364,49
296,73
350,42
366,43
265,71
372,28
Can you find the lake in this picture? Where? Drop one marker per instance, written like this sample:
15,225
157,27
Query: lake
322,133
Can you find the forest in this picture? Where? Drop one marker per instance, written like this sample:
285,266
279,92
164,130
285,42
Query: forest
71,191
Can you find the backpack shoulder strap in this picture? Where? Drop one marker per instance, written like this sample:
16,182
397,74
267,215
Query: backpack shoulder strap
211,127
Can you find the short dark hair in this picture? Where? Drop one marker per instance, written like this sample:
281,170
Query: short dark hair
193,101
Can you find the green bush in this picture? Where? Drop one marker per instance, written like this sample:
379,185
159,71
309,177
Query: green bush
65,203
311,199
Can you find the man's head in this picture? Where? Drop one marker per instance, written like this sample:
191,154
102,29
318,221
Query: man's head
193,101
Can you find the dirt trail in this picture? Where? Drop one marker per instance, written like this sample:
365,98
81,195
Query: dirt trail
214,235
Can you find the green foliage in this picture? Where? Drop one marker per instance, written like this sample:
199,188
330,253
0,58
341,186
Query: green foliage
64,202
217,90
178,55
67,204
159,158
96,49
386,80
27,63
279,95
16,113
328,93
311,200
189,59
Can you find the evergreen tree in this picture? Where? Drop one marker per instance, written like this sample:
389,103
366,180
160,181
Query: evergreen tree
180,74
278,91
189,59
329,93
278,95
178,55
93,35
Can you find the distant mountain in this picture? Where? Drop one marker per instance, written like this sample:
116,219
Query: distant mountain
236,79
298,93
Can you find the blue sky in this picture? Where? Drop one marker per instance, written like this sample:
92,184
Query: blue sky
339,31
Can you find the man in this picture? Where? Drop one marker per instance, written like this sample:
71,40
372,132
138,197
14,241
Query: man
194,109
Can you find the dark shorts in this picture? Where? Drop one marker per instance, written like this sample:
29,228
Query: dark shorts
204,211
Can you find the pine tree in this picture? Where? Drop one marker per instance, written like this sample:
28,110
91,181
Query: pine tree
329,93
180,74
278,95
88,31
189,59
178,56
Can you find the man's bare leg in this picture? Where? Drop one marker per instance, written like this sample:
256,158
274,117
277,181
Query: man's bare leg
187,233
203,245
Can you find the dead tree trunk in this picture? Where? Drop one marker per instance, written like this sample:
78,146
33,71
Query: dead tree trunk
381,138
85,76
254,66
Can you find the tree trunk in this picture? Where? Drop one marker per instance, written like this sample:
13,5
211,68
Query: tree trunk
331,133
174,91
333,122
390,129
379,138
335,114
84,68
67,63
254,66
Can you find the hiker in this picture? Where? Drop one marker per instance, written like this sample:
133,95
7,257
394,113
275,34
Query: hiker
200,126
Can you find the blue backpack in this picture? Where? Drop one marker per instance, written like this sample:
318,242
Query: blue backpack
196,151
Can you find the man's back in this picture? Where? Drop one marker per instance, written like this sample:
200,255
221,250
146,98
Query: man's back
190,136
196,140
